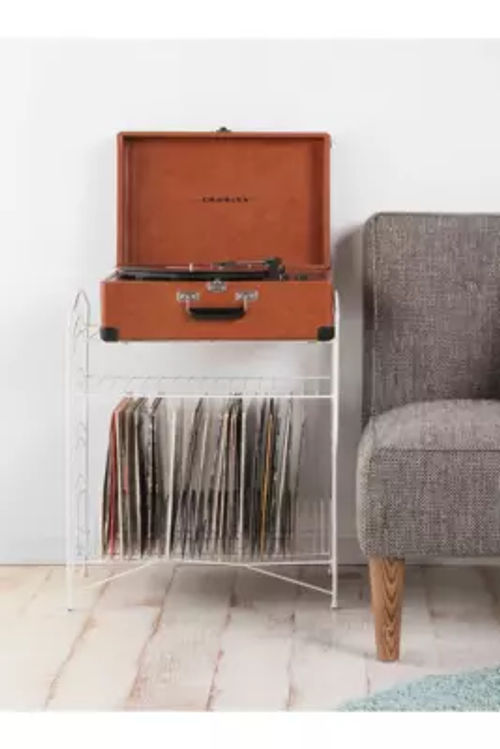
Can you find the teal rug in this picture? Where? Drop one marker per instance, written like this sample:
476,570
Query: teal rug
471,691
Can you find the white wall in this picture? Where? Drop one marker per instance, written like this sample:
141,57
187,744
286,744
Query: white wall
416,126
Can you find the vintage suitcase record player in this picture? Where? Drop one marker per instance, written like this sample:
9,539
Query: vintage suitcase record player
221,235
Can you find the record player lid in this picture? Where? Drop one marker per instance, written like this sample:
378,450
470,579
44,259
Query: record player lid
210,197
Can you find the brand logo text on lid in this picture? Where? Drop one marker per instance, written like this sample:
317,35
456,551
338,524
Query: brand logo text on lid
225,199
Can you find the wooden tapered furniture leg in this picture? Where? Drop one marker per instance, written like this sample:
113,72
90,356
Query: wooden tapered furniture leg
387,585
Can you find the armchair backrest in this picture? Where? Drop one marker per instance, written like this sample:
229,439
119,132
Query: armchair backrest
431,308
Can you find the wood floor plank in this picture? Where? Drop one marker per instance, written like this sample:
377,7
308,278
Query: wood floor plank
103,666
19,585
178,665
33,644
329,646
226,640
464,617
253,671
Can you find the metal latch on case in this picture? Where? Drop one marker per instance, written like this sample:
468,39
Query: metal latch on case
188,296
217,285
246,297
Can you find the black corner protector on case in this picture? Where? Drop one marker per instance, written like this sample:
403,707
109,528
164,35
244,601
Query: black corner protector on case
109,335
325,333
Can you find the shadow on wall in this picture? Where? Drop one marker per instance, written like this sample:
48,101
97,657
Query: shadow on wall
347,267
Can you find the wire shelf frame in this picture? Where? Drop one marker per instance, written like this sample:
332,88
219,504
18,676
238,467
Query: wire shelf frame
86,383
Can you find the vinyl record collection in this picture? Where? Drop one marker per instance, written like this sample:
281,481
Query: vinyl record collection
203,478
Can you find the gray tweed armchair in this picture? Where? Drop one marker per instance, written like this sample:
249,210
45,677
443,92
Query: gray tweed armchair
428,473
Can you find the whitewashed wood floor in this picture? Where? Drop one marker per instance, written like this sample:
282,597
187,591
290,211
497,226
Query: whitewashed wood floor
189,638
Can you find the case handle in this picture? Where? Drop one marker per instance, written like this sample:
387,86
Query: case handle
216,313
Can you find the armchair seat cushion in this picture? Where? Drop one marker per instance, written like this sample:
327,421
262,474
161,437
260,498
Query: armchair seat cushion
428,480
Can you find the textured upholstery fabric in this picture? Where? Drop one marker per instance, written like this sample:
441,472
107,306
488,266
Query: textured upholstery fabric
431,309
428,480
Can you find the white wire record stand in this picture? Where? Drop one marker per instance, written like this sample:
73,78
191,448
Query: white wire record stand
93,390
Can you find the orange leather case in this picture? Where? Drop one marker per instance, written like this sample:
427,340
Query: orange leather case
209,197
